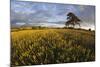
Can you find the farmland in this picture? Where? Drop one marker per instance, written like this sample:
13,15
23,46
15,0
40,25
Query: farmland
51,46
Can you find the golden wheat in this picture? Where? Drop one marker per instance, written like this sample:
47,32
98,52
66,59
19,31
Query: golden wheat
50,46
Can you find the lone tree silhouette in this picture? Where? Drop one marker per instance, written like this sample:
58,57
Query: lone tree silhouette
72,19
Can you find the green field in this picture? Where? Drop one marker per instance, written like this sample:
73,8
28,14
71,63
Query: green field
51,46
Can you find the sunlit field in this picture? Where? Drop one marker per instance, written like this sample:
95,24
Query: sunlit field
51,46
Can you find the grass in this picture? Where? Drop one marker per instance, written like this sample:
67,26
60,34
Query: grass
51,46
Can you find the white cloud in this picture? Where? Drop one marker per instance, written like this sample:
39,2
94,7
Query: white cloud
20,23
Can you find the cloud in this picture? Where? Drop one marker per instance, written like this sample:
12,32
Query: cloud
33,12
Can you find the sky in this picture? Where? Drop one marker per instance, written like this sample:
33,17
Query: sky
50,14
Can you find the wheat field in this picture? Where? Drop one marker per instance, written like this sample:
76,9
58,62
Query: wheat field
51,46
